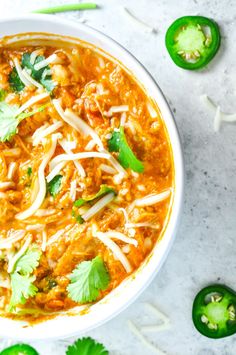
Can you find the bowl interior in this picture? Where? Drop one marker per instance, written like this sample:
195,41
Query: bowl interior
65,324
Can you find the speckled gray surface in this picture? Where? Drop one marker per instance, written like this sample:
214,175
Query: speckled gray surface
204,250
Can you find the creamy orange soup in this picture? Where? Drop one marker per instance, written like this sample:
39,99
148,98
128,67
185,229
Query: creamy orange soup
86,177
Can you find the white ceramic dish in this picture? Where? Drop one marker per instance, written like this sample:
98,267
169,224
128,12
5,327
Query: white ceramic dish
65,325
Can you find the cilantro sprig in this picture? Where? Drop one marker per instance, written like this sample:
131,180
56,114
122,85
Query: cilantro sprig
47,82
22,280
118,143
87,280
9,120
86,346
54,185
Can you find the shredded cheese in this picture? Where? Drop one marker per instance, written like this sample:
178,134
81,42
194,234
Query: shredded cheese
136,21
107,169
119,236
11,170
13,237
219,115
22,77
51,59
98,206
31,80
152,199
33,100
34,55
41,183
44,240
55,237
141,225
55,171
73,185
143,339
77,123
116,250
13,260
117,109
39,135
64,145
151,110
45,212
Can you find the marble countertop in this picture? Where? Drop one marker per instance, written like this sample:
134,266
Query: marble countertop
204,250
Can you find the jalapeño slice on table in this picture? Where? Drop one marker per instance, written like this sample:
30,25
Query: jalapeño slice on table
192,41
214,311
19,349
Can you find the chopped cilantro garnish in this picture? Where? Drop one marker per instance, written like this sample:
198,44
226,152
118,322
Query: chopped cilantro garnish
22,286
54,185
15,82
126,157
9,120
86,346
87,280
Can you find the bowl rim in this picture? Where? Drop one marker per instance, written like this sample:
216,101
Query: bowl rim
177,152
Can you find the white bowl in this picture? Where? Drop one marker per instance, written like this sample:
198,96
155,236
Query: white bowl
65,325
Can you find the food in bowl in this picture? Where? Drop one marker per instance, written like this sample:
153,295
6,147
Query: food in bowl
86,176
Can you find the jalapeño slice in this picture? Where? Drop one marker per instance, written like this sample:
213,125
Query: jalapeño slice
19,349
214,311
192,41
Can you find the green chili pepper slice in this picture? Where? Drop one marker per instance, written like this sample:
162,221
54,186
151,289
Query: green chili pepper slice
192,41
19,349
214,311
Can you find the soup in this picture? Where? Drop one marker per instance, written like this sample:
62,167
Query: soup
86,177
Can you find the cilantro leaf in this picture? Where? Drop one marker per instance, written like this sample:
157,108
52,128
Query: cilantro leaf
22,288
87,279
28,262
9,120
104,189
47,81
118,143
54,185
15,82
86,346
3,94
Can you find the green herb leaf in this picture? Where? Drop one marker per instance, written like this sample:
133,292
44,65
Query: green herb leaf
126,157
29,171
86,346
47,82
54,185
3,94
22,288
15,82
87,279
28,262
9,121
104,189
